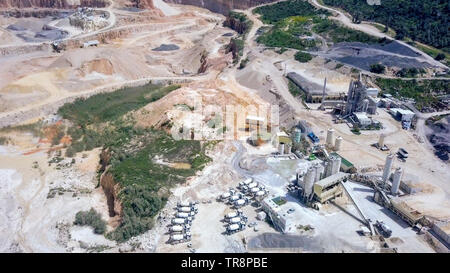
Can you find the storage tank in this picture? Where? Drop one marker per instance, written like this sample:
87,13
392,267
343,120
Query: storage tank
309,181
396,181
319,169
365,105
288,149
387,167
330,137
281,148
335,164
338,144
297,135
381,141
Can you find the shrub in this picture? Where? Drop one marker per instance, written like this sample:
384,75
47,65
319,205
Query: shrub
91,218
377,68
303,57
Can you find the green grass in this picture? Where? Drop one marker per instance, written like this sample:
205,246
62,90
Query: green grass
109,106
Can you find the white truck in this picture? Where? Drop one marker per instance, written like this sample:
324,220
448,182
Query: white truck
180,238
233,228
181,221
233,214
241,202
237,219
185,214
179,228
188,209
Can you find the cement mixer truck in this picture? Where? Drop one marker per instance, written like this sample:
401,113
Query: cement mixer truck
185,214
180,238
237,219
179,228
188,209
233,228
181,221
241,202
233,214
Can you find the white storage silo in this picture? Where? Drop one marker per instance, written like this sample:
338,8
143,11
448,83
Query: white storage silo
330,137
309,181
381,141
281,148
338,144
396,181
387,167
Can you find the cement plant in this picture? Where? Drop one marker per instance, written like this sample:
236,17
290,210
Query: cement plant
251,126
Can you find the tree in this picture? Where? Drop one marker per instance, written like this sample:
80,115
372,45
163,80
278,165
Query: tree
377,68
440,57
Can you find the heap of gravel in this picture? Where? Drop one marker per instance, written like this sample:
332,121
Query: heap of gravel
166,47
276,240
440,137
362,56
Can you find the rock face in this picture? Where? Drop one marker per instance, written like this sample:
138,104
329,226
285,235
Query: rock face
221,6
58,4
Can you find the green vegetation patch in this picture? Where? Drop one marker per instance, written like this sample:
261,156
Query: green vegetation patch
425,21
424,92
109,106
91,218
303,57
142,160
295,21
271,14
338,33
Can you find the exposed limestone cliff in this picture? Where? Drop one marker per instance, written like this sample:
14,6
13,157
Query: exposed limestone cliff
57,4
221,6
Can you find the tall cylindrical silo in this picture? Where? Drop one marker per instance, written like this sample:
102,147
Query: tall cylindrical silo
297,135
309,181
281,149
338,144
381,141
396,181
335,165
387,167
330,137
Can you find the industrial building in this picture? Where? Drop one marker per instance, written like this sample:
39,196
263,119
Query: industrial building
314,93
329,187
402,114
280,219
360,99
